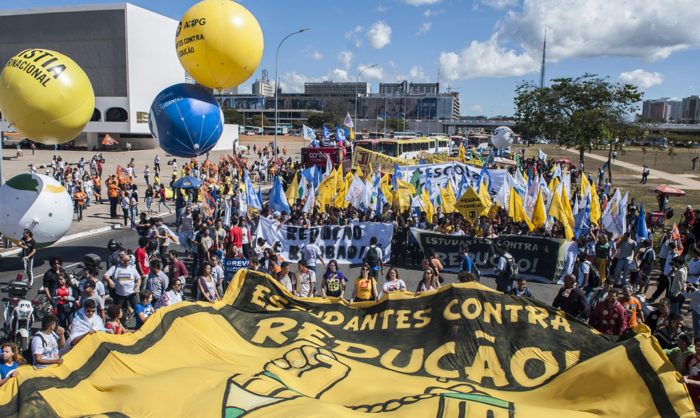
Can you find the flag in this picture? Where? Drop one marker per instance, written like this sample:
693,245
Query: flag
308,133
292,191
484,174
310,201
542,155
641,228
278,200
556,211
584,184
339,134
108,140
448,198
516,211
303,188
462,154
582,223
427,205
326,190
329,166
463,185
354,193
122,172
420,161
415,181
252,199
539,215
260,199
351,135
348,121
209,203
676,237
326,133
605,165
381,201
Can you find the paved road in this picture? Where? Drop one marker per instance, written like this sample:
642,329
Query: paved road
74,251
672,178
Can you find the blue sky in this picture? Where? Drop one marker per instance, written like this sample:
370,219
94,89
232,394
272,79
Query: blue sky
482,48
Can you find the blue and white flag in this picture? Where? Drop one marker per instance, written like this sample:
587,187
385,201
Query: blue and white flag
251,197
543,156
326,133
329,166
641,230
339,134
278,200
582,222
309,134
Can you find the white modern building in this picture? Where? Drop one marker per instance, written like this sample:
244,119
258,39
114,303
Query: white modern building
127,52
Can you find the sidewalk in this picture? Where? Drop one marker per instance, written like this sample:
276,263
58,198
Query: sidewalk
682,180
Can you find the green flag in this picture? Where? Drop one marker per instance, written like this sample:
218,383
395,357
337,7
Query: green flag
415,181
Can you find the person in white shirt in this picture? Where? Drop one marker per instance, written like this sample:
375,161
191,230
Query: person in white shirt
286,278
306,281
694,268
125,281
311,253
47,342
85,323
217,272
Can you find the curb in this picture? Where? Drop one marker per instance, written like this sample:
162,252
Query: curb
75,236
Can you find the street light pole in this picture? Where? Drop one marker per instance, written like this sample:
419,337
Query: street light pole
358,82
277,80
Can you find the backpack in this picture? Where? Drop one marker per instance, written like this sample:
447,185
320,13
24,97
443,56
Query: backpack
372,257
511,271
594,279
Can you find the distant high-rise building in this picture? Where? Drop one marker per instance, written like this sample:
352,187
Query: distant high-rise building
397,88
674,110
403,88
263,88
690,109
661,110
423,88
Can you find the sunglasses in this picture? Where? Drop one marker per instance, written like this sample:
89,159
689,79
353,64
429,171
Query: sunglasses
365,269
90,310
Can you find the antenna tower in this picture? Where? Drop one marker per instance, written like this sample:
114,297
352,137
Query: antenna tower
544,51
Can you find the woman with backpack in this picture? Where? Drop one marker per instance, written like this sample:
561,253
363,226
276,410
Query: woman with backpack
431,261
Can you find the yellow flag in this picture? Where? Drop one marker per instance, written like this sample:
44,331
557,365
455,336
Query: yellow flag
539,217
556,210
462,153
327,189
516,209
595,207
428,205
486,198
448,198
339,200
359,172
384,184
292,192
566,204
584,184
553,184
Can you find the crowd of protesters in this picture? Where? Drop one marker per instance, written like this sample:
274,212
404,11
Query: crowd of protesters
605,280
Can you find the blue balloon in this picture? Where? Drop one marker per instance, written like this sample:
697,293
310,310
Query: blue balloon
186,119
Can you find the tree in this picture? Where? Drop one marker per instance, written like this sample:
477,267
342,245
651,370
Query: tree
396,124
233,116
578,112
255,120
317,120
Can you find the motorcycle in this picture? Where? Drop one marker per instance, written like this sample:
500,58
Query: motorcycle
18,313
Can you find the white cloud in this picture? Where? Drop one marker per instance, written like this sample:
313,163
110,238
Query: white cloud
650,31
429,12
424,28
293,82
382,9
374,73
353,35
500,4
485,59
417,74
379,35
310,52
345,58
392,63
421,2
339,74
475,109
641,78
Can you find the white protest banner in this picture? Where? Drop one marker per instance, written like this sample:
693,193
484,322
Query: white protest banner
441,173
347,243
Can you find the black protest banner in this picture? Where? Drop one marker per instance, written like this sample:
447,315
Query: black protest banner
538,258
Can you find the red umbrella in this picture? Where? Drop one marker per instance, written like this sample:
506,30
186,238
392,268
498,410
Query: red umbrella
563,161
668,190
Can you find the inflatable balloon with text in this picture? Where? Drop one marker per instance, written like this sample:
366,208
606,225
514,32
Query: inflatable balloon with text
46,96
38,203
186,119
219,43
502,137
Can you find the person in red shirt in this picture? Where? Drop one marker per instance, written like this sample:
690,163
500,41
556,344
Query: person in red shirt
610,317
142,260
236,234
177,267
689,215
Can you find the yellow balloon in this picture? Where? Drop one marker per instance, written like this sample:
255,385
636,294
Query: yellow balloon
46,96
219,43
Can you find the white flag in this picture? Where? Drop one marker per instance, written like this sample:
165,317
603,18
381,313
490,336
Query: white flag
348,121
329,165
543,156
355,192
310,201
308,133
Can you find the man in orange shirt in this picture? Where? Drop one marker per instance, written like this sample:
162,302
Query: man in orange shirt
79,200
113,194
97,187
635,315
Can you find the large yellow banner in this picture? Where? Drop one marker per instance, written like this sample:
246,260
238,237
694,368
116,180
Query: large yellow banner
463,350
364,158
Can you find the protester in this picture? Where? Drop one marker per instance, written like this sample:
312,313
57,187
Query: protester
365,286
571,299
521,289
609,317
172,295
11,360
632,307
429,280
125,281
47,342
144,309
114,325
392,281
306,281
28,246
333,283
86,322
157,280
206,285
